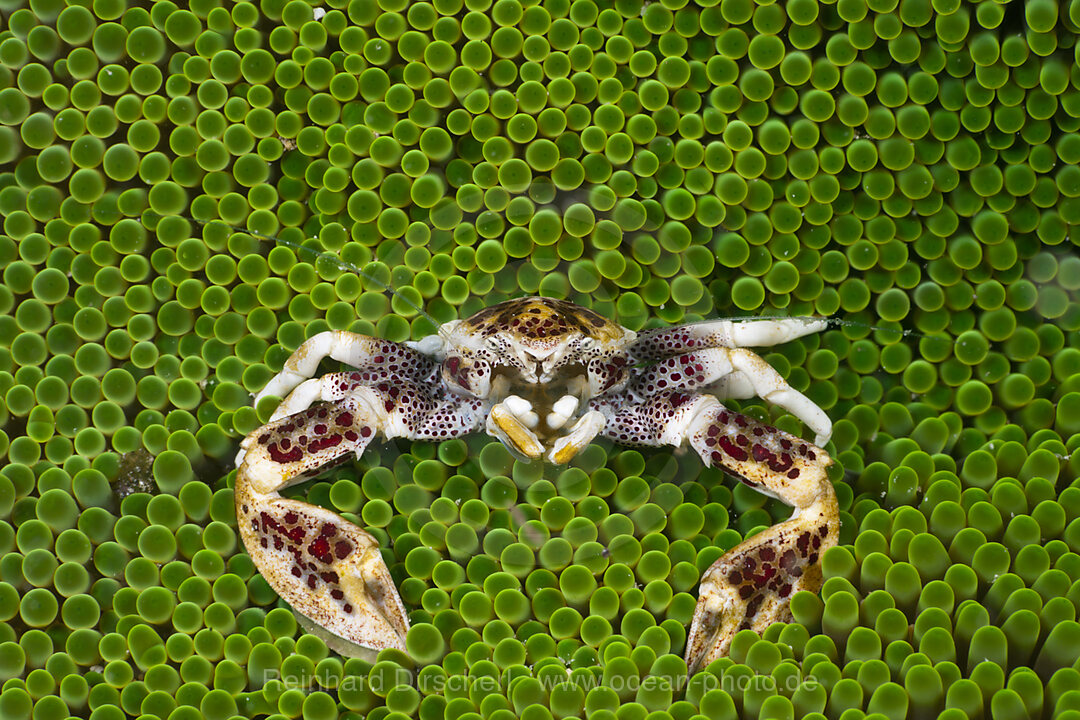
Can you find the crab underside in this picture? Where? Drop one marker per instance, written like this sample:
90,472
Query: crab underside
545,377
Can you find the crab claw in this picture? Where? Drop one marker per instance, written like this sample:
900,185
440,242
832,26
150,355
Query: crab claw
325,567
750,586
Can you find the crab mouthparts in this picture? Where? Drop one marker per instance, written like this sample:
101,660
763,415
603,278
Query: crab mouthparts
561,411
532,431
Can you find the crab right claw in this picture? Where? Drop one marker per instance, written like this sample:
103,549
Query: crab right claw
325,567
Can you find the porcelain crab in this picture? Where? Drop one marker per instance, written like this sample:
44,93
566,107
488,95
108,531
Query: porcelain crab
545,377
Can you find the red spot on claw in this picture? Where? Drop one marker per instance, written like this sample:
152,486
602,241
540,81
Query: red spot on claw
803,542
320,548
281,457
732,449
342,549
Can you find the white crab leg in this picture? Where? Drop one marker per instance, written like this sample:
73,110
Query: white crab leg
664,342
731,373
750,586
359,351
769,385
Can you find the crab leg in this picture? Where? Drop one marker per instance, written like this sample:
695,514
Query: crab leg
751,585
732,373
665,342
322,565
388,359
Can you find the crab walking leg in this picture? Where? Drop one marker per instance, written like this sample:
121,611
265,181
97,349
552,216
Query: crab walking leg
732,373
387,358
665,342
751,585
322,565
769,385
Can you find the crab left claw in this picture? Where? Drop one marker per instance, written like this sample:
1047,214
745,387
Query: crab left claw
751,585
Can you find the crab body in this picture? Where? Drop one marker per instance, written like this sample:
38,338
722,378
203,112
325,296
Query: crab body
545,377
